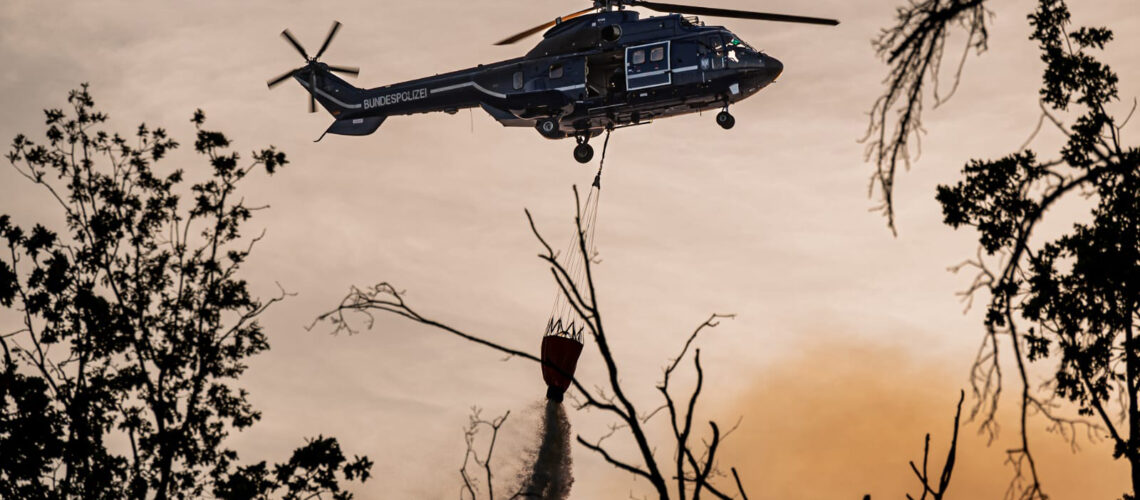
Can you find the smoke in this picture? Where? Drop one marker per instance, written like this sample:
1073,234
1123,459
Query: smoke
841,420
548,476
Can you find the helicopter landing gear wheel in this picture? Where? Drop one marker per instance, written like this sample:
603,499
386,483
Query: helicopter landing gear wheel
549,129
725,120
583,153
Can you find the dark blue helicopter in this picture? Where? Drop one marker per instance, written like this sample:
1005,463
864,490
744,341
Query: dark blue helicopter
594,70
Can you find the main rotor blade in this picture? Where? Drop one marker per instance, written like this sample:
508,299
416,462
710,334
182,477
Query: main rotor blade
348,70
328,39
740,14
297,45
542,27
284,76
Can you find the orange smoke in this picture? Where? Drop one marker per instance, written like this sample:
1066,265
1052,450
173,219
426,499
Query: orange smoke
839,421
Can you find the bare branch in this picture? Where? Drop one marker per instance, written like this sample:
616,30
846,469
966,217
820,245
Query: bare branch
472,430
913,48
937,491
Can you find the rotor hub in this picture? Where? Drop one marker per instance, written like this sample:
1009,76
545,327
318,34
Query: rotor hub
312,64
609,5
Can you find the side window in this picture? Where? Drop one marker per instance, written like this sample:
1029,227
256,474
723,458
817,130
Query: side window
518,80
556,71
638,57
657,54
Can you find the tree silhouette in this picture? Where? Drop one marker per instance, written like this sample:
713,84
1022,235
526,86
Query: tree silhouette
690,470
913,48
134,324
1080,293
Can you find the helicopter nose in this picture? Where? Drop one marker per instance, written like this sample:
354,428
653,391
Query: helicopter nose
774,66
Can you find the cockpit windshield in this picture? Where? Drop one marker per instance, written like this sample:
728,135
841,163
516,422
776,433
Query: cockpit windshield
737,43
731,45
726,44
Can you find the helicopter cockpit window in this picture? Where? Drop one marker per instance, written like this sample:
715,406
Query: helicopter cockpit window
518,80
556,71
740,44
657,54
637,57
734,46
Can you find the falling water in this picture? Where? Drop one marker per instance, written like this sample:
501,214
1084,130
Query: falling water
548,476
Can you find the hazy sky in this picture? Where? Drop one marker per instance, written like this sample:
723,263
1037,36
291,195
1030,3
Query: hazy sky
849,343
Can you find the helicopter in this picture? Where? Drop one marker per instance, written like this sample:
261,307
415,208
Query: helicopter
595,70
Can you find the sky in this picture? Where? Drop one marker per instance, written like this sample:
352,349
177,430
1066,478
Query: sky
849,343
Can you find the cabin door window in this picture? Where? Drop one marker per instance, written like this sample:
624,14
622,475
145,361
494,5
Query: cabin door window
648,66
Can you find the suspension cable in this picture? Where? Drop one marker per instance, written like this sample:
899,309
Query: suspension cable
563,317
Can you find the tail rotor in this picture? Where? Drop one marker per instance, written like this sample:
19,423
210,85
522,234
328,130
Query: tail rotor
312,64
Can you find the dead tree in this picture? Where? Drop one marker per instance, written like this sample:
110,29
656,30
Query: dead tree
936,491
690,470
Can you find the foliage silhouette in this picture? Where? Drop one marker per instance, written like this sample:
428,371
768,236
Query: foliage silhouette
134,327
1080,293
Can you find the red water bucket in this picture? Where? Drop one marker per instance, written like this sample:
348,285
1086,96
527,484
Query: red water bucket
559,359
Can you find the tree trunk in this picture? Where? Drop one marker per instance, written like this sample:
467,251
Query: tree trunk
1130,383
